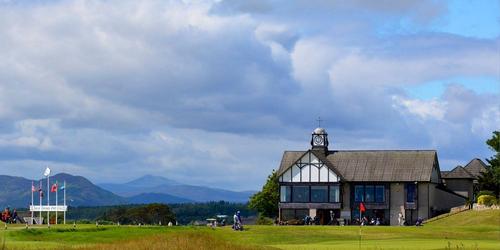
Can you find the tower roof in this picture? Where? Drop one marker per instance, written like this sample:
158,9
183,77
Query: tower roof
319,131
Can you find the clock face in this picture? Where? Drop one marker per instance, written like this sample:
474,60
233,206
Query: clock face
318,140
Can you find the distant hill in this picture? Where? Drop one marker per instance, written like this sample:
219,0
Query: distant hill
137,186
159,185
16,192
146,198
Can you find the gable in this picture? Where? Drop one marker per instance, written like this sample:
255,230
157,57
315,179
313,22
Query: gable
458,173
476,167
307,168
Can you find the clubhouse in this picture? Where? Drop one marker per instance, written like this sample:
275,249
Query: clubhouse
319,182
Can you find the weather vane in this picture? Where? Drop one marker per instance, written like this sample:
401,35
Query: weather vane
319,121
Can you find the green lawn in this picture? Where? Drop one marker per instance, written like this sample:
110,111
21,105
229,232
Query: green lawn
467,230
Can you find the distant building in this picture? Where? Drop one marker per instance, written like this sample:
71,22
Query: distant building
463,180
319,182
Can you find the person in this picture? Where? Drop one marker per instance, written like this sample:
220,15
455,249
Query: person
401,219
332,218
307,220
372,222
316,220
6,215
364,221
237,222
14,216
239,217
419,222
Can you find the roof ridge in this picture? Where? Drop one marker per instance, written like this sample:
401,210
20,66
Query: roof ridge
381,150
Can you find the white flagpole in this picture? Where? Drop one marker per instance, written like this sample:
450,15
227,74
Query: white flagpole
48,200
32,199
40,195
65,202
57,187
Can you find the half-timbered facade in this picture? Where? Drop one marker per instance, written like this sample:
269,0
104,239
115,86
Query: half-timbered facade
325,183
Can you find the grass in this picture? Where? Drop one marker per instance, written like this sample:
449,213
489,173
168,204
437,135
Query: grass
466,230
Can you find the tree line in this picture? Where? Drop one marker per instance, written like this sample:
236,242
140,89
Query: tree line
184,213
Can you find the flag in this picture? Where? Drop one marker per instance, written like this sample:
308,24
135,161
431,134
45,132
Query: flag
54,188
47,172
362,207
62,187
41,193
33,189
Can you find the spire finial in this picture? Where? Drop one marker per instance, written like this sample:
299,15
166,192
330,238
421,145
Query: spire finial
319,121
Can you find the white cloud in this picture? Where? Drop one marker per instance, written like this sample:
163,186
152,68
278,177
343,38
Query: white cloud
432,109
116,89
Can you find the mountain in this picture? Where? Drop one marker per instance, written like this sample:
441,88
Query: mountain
146,198
137,186
201,193
158,185
16,192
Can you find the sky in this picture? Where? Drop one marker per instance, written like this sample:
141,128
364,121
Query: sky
212,92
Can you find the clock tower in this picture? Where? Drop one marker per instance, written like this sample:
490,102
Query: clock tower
319,140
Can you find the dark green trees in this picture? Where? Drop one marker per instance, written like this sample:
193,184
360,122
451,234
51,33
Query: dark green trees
491,179
266,201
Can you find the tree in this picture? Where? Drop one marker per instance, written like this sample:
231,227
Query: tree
490,180
266,201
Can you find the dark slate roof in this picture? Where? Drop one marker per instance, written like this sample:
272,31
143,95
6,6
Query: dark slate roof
475,167
374,165
458,172
289,158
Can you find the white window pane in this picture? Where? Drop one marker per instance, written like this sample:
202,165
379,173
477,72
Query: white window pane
332,177
305,174
287,176
314,159
295,174
305,158
314,174
323,174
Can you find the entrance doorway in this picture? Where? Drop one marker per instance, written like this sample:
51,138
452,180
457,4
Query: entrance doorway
328,216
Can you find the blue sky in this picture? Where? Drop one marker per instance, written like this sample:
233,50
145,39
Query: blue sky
213,92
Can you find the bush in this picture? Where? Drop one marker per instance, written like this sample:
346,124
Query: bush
262,220
485,192
487,200
83,222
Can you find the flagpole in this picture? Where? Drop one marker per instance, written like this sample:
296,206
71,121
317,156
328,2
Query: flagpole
56,200
48,199
64,191
40,207
32,200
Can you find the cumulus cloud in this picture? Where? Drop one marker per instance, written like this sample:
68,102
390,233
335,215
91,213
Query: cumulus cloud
188,89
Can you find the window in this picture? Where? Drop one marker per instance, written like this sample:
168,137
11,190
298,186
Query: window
301,213
287,214
359,193
379,194
411,192
319,193
300,193
286,194
369,193
334,194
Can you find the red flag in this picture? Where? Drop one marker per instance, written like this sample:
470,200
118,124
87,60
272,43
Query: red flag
54,188
33,189
362,207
